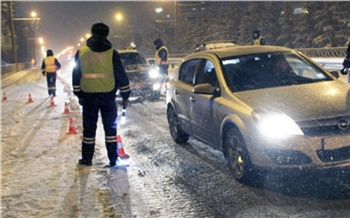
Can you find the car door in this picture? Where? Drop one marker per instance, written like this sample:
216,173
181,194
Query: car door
204,106
183,91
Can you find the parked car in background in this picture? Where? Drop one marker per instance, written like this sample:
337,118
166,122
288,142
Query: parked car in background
265,107
145,80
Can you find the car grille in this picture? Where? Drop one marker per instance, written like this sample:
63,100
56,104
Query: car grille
326,127
334,155
288,157
138,77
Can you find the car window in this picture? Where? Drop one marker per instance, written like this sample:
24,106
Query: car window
188,70
206,73
269,70
132,58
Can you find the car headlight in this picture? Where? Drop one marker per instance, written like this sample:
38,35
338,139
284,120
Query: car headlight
156,86
153,73
276,125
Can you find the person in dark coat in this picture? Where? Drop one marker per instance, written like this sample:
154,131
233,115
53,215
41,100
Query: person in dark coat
49,68
346,62
97,76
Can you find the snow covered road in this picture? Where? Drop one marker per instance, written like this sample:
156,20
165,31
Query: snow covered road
41,177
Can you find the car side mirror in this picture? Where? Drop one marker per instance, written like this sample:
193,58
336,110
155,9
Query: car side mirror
152,62
335,73
205,88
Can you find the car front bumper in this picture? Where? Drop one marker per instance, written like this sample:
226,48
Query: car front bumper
302,152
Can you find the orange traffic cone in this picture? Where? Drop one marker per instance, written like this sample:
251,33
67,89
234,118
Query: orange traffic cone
52,103
120,149
30,100
4,98
71,129
66,108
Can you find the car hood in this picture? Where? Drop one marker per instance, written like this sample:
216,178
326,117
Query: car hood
136,68
300,102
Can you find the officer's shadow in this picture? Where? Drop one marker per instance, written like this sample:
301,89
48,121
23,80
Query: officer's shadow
74,200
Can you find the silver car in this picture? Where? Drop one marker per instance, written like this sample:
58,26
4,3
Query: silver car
265,107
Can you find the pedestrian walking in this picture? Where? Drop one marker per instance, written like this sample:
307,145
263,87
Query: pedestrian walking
49,68
257,38
97,76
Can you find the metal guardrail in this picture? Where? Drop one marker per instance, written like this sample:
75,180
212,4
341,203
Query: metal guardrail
335,52
175,59
9,69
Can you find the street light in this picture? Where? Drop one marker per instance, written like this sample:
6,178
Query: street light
12,19
119,17
41,40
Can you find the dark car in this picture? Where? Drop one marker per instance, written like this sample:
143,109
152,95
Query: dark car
265,107
145,80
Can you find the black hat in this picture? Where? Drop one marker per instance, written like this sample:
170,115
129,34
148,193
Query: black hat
49,52
100,30
158,42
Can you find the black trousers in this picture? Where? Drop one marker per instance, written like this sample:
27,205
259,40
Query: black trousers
92,105
51,83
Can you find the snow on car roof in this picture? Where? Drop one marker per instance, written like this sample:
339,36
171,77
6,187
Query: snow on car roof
243,50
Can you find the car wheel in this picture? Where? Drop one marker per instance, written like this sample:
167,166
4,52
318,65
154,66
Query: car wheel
237,155
178,135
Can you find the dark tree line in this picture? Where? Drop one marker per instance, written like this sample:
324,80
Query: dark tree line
293,24
302,24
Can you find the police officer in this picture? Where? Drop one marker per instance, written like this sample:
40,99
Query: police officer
161,56
49,68
97,76
257,38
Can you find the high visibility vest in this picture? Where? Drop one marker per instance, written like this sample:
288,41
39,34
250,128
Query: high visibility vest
257,41
158,59
97,70
50,66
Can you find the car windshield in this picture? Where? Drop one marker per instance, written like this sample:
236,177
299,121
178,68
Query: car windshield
267,70
132,58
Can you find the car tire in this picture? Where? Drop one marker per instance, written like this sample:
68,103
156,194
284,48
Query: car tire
237,156
177,134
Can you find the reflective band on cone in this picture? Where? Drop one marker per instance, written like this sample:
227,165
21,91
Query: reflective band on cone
30,100
120,149
66,108
4,98
52,103
71,129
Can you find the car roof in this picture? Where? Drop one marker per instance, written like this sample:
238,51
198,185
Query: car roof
214,45
241,50
128,50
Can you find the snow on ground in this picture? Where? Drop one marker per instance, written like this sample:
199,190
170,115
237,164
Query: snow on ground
41,177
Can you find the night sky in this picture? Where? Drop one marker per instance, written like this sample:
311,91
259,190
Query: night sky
63,23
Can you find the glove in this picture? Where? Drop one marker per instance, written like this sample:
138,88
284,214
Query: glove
125,103
81,101
44,73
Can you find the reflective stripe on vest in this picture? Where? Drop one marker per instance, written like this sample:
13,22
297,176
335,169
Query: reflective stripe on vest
97,70
158,59
50,66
